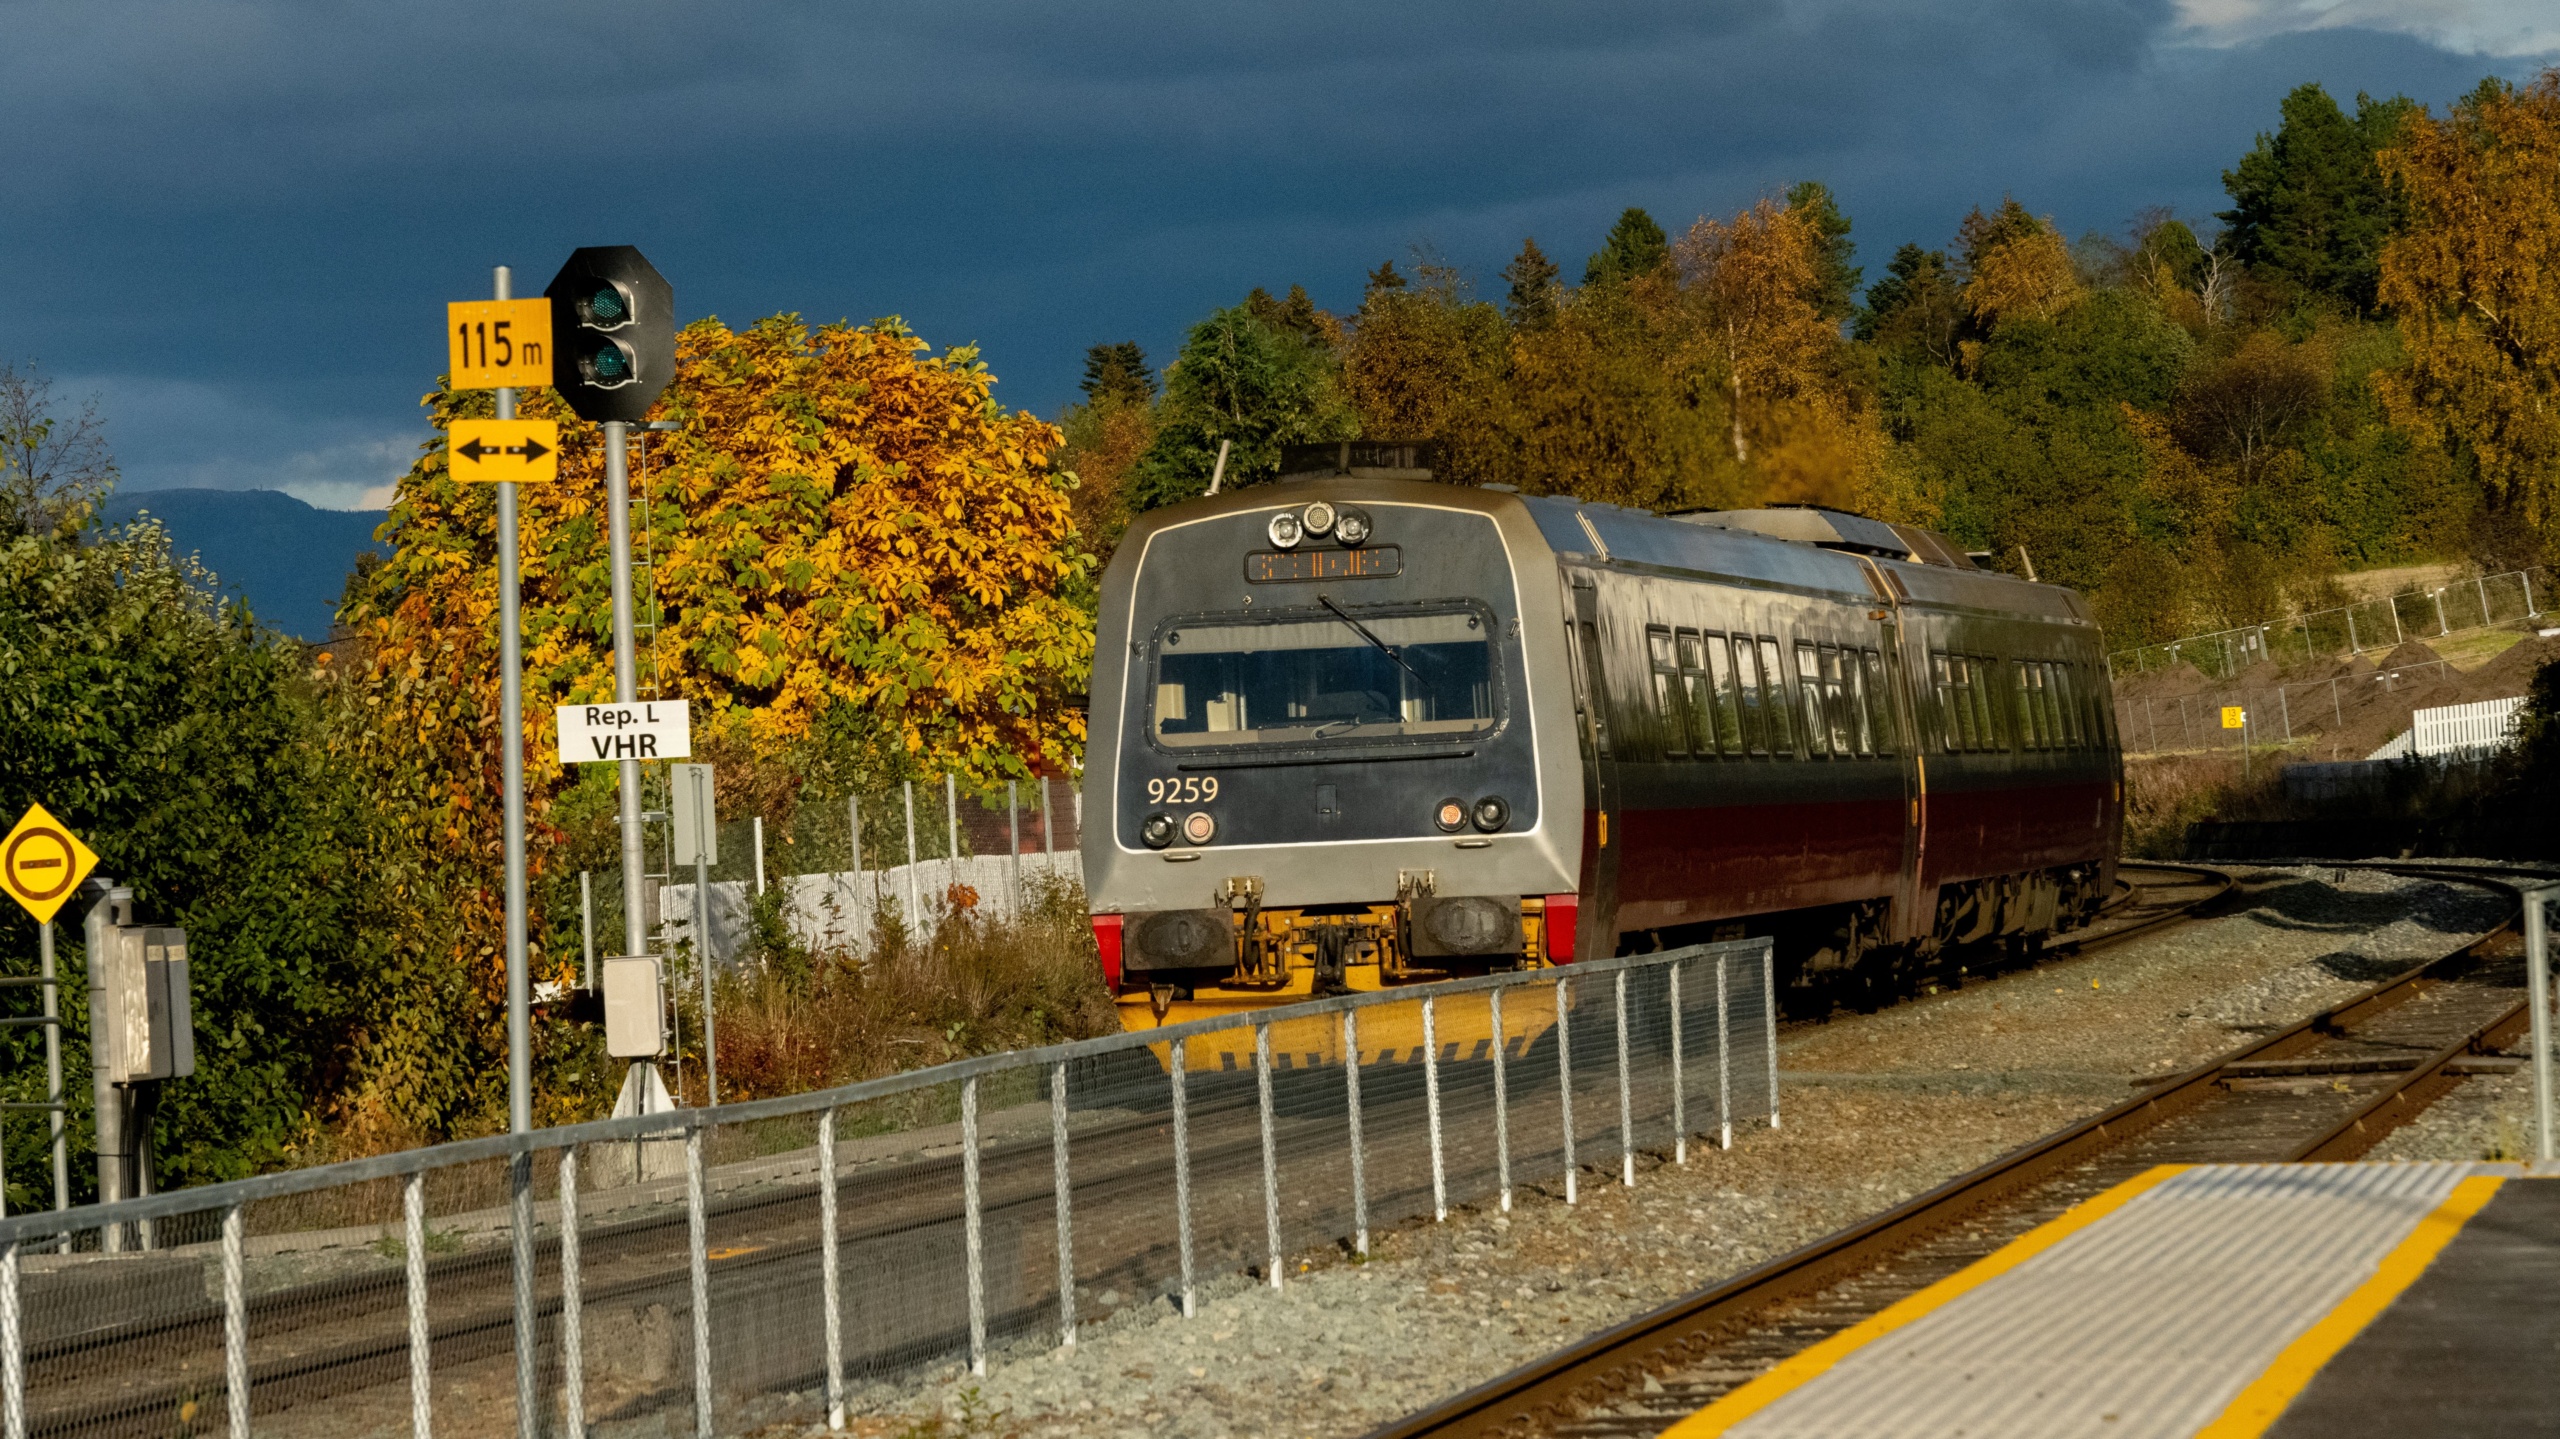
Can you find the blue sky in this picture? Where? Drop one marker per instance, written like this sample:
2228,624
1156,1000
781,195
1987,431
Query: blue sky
236,223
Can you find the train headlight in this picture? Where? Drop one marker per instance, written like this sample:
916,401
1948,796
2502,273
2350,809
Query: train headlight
1199,827
1156,830
1319,518
1451,816
1492,813
1352,527
1286,530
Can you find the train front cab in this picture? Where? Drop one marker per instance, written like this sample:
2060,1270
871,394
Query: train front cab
1332,748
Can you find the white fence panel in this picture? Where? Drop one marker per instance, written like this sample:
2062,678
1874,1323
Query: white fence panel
842,909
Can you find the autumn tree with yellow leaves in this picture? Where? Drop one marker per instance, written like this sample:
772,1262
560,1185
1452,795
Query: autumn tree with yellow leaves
850,538
2474,280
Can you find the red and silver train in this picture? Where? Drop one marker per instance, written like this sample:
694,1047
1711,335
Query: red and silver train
1355,729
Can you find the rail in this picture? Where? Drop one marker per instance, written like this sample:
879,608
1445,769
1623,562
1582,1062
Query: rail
755,1261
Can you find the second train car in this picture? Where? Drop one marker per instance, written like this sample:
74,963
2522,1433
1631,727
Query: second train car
1355,729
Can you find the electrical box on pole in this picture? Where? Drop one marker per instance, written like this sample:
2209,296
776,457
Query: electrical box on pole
613,326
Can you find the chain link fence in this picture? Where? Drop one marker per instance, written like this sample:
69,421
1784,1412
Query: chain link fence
713,1271
2380,624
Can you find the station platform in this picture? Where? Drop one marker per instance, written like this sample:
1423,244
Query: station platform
2300,1301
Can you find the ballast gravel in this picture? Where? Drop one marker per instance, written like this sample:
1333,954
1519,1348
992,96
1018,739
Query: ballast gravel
1876,1108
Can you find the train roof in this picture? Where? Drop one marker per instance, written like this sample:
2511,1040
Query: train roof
1804,546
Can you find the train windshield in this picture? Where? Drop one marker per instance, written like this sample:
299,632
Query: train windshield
1344,675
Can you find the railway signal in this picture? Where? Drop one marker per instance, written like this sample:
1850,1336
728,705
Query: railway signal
614,317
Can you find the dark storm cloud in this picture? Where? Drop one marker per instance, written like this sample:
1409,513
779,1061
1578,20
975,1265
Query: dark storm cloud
238,219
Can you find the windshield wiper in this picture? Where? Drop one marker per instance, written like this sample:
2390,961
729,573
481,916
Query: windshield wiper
1326,730
1370,635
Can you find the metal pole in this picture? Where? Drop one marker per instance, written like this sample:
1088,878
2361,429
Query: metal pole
2483,582
2154,721
2537,954
914,901
1626,1094
413,1207
2398,637
758,826
2284,708
831,1262
1359,1151
1501,1102
2337,710
1048,831
702,954
2442,629
1564,1081
573,1306
1679,1083
2354,645
511,783
951,815
1061,1186
97,927
528,1338
971,1225
853,837
1270,1150
1013,847
1431,1106
1724,1061
697,1220
53,1072
13,1354
587,922
1182,1177
971,1230
235,1327
1769,1020
626,675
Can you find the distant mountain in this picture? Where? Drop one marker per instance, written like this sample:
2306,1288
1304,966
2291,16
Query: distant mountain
289,560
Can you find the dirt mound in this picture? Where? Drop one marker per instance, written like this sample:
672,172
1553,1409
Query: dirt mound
2511,672
2412,652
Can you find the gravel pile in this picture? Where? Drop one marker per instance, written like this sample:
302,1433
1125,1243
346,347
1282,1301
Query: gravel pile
1877,1108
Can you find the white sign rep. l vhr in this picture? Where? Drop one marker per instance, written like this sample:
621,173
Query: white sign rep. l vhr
650,729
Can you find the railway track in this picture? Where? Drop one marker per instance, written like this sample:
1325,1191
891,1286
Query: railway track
2324,1089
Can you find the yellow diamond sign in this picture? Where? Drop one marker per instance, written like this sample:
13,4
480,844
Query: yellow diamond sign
41,863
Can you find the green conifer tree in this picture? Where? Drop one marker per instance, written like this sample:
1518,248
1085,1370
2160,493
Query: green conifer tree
1532,300
1837,298
2309,205
1636,246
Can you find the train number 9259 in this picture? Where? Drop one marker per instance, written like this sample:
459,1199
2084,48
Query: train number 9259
1192,789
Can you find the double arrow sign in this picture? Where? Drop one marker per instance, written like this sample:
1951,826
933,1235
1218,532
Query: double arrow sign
485,451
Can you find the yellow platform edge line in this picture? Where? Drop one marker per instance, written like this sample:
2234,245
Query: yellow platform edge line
1801,1369
2259,1406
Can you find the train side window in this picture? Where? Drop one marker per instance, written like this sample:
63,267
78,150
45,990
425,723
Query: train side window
1755,710
1949,709
1666,692
1599,686
1782,711
1809,679
1986,715
2066,679
1728,709
1839,706
1697,690
1878,701
2030,724
2049,706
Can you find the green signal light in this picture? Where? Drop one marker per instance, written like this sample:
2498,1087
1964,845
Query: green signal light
606,305
607,364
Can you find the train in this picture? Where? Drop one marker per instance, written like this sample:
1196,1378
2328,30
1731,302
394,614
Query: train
1357,728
